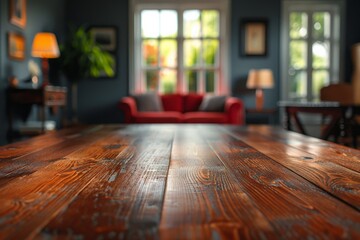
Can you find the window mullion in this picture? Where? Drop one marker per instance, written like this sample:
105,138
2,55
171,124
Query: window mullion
331,40
310,69
181,83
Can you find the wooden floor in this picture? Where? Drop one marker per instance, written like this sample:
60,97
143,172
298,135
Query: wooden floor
178,182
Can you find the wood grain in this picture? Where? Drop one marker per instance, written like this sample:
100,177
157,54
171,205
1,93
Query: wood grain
178,182
292,213
51,151
131,186
203,199
328,151
333,178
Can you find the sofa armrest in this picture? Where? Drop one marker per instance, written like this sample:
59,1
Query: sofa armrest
234,108
128,106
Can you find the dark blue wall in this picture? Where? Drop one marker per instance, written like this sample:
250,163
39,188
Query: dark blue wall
240,65
42,15
97,98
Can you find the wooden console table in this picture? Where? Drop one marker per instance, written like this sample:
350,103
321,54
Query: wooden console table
50,96
341,123
178,182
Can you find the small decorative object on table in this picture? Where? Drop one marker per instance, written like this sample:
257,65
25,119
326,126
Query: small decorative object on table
34,73
13,82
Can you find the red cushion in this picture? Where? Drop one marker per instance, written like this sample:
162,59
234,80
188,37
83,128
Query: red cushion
205,117
192,102
172,102
158,117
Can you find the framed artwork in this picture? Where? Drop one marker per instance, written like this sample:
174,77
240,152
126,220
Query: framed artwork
106,37
16,46
254,38
18,12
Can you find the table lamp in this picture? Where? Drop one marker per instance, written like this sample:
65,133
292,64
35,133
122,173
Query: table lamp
260,79
45,46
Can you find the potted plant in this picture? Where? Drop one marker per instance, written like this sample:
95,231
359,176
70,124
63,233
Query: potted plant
80,58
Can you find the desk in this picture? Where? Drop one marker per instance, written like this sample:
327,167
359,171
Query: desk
50,96
178,181
340,123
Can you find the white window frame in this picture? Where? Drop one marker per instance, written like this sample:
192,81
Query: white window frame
136,84
336,8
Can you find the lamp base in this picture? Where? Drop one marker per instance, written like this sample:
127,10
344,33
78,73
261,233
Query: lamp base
45,71
259,99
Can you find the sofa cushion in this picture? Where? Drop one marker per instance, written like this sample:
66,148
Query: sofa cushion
158,117
192,102
172,102
213,103
205,117
148,102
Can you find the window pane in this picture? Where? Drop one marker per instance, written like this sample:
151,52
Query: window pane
168,81
298,54
210,23
298,25
168,51
320,51
298,86
210,52
150,52
150,23
320,79
192,52
191,78
210,81
152,80
192,23
321,27
168,23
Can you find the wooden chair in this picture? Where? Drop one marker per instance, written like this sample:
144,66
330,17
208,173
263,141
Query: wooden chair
344,94
338,92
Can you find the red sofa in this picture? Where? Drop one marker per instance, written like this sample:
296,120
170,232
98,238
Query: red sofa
183,109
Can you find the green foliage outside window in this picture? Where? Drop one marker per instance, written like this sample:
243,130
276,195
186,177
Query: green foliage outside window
320,48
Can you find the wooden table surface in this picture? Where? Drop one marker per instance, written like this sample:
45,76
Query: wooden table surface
178,182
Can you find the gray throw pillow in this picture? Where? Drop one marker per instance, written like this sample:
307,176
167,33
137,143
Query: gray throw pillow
148,102
212,103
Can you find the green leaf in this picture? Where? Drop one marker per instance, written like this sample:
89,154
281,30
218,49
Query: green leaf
82,57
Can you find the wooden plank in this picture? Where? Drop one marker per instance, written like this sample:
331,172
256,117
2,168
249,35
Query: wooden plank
296,208
335,179
331,152
203,200
18,149
43,194
125,199
43,156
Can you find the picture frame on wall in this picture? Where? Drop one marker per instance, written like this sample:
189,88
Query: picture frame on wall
18,12
16,46
254,37
105,37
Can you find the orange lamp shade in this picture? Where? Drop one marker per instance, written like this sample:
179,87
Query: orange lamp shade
45,46
262,78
